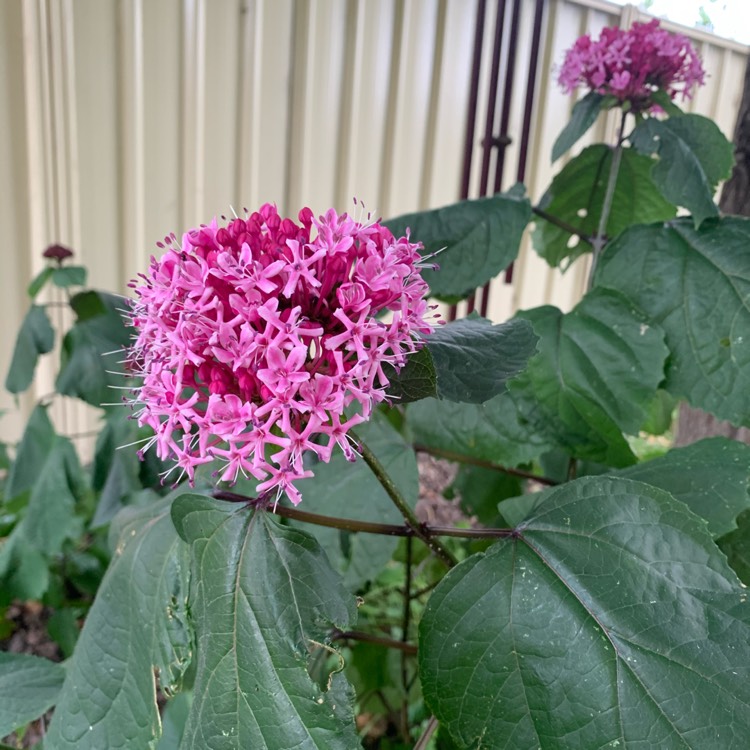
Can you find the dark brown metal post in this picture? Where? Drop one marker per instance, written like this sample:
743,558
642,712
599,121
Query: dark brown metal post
471,117
528,109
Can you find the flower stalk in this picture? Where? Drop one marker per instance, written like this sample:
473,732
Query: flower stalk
400,502
600,239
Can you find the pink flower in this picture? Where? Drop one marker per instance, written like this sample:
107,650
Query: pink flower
631,65
260,341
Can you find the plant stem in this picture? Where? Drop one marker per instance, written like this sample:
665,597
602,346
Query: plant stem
400,502
357,635
405,620
429,730
368,527
599,240
471,461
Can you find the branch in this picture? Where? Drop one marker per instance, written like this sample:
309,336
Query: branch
471,461
542,214
348,524
357,635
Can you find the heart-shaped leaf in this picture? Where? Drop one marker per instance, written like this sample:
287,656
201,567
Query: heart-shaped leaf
694,156
695,285
595,376
608,619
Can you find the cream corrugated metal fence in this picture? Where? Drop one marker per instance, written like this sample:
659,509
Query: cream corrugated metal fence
126,119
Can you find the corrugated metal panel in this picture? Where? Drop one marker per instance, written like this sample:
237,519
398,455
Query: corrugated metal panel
128,119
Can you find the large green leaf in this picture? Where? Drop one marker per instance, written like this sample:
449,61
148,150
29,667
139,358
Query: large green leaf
477,239
609,619
263,597
89,349
136,626
350,490
596,373
576,196
490,431
695,285
694,156
29,685
468,360
35,337
711,477
584,115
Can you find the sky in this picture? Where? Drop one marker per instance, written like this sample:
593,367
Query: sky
729,18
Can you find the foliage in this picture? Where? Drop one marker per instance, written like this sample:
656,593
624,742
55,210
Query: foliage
586,598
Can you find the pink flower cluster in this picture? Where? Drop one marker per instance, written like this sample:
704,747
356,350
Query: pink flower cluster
253,339
631,65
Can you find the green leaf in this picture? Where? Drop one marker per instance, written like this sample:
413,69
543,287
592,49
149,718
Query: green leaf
660,414
46,465
24,570
694,156
477,239
66,276
664,100
62,628
468,360
350,490
38,439
415,381
474,359
712,477
39,281
584,115
482,489
576,196
610,619
263,597
736,546
29,686
50,517
491,431
596,373
695,285
87,350
35,337
115,471
173,720
137,624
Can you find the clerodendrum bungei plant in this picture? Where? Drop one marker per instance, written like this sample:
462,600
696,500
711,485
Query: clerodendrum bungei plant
591,596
